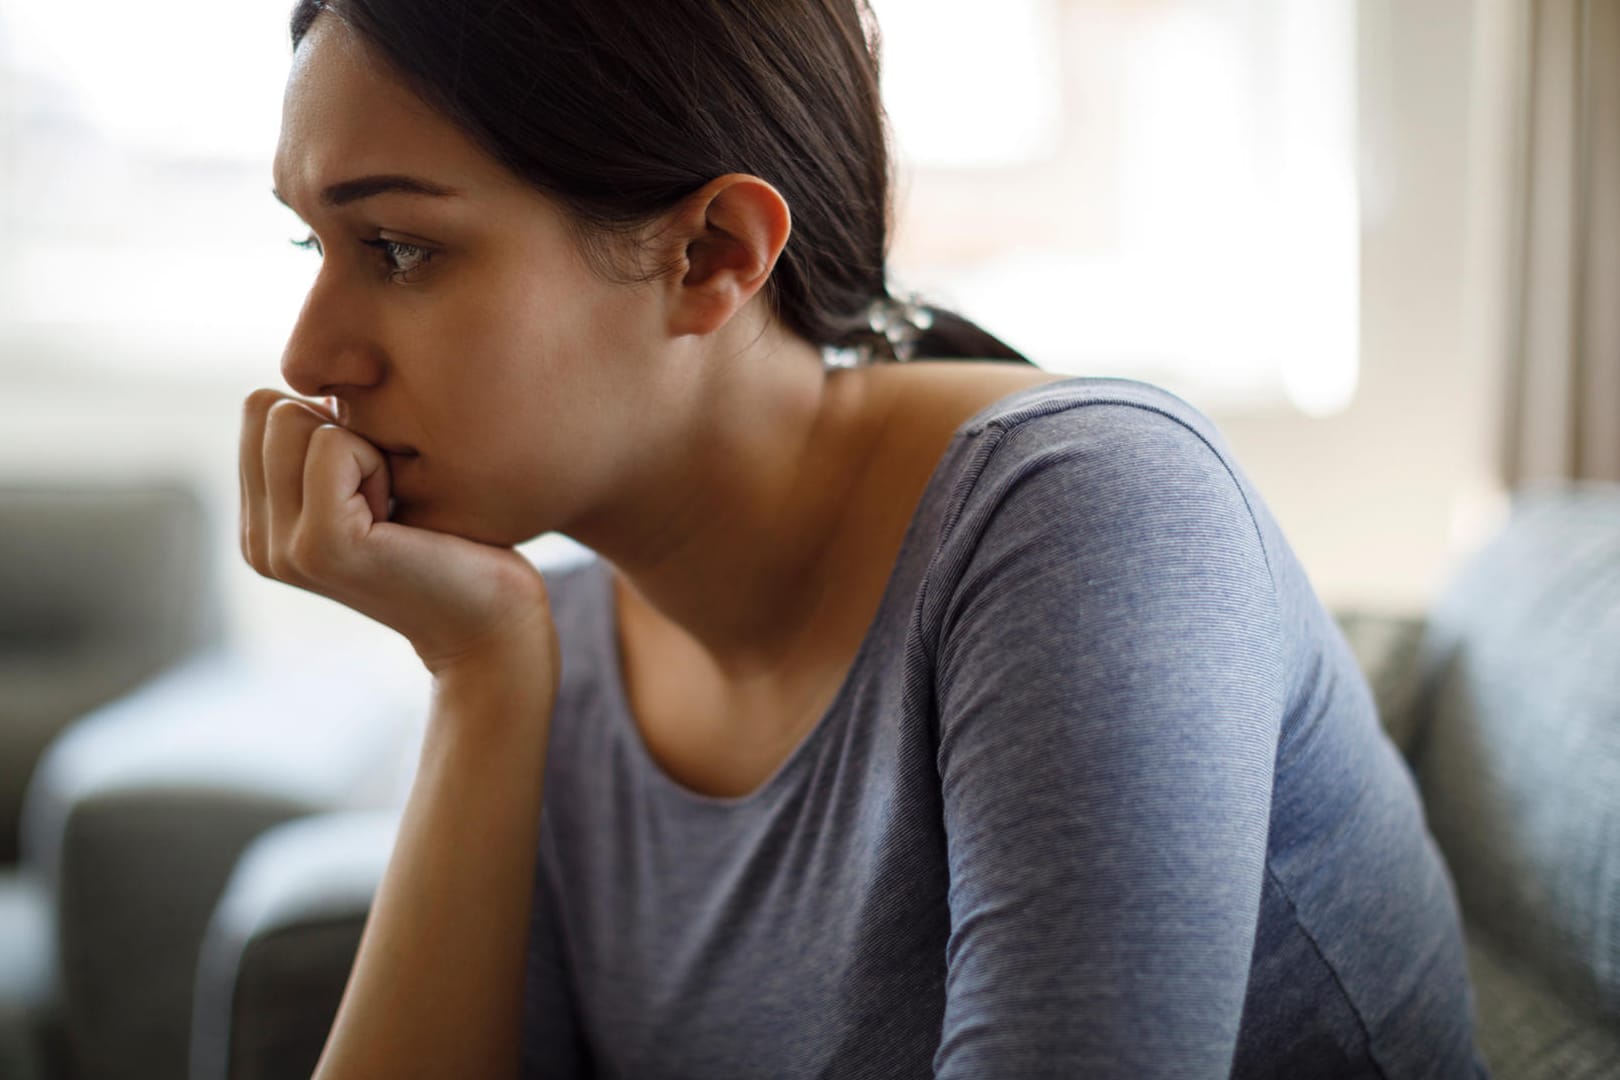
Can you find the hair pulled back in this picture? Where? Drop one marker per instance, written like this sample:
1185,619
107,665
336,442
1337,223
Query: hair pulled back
619,109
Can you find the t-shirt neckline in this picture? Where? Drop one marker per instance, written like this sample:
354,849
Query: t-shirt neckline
608,642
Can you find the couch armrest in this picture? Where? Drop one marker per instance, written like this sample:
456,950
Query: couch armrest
138,813
280,945
1520,758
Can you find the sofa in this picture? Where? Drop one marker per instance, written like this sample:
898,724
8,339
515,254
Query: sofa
1504,698
139,756
103,586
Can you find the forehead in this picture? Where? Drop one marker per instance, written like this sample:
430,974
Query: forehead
346,114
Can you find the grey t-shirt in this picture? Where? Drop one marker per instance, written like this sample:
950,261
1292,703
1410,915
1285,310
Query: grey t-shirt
1103,794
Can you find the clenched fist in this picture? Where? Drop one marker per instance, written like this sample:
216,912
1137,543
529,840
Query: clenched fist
315,501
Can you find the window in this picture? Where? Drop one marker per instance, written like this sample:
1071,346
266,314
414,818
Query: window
135,147
1159,190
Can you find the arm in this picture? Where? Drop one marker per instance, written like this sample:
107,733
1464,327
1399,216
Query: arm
437,986
1110,695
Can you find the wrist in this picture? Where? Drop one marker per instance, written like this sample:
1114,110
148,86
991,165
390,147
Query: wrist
509,664
519,667
491,701
525,631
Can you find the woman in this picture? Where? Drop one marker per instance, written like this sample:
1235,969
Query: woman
915,719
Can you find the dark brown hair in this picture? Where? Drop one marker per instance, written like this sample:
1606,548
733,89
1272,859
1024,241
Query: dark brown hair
619,109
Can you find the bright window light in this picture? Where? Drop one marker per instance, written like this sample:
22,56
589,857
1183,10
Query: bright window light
996,103
1197,224
134,187
197,81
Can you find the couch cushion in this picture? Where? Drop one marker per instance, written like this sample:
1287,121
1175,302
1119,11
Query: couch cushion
1520,760
138,813
104,586
1526,1030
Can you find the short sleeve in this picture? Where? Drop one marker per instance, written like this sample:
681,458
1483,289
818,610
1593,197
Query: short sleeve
1109,692
553,1041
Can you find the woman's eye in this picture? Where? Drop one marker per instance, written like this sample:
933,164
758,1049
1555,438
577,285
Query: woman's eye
403,259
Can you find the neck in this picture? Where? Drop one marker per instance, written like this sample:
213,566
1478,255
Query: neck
723,553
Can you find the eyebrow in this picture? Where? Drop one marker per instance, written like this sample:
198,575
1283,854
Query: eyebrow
364,187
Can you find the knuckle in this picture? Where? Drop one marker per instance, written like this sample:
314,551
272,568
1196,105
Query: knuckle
286,410
281,563
260,401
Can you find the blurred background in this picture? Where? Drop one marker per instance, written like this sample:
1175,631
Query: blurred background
1378,241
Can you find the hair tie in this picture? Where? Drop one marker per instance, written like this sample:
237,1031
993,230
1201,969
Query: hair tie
898,322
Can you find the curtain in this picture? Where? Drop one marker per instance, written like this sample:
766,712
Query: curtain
1563,370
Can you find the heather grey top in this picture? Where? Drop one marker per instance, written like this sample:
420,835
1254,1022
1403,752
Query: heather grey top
1104,793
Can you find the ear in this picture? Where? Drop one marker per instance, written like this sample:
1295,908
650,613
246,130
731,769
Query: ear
727,237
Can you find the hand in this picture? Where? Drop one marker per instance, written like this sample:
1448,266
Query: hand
314,514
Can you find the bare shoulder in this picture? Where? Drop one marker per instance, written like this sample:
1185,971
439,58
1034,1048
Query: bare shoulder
918,408
927,400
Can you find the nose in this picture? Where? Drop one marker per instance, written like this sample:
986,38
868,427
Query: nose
331,347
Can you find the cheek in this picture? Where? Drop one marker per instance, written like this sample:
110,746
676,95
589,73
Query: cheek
523,378
494,352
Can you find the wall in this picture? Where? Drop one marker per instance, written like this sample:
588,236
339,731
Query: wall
1380,501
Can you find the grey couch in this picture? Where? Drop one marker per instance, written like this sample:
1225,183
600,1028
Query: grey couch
102,586
139,813
150,756
1505,699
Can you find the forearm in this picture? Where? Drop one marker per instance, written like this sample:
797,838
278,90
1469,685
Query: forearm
436,988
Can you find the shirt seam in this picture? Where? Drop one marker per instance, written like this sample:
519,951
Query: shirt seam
993,432
1004,425
1333,972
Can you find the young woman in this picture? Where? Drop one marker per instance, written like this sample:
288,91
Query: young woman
914,719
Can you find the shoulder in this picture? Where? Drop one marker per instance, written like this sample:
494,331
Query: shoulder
1096,414
1111,502
1104,543
1108,454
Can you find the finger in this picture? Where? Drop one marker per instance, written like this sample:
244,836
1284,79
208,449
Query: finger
250,457
339,466
286,443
